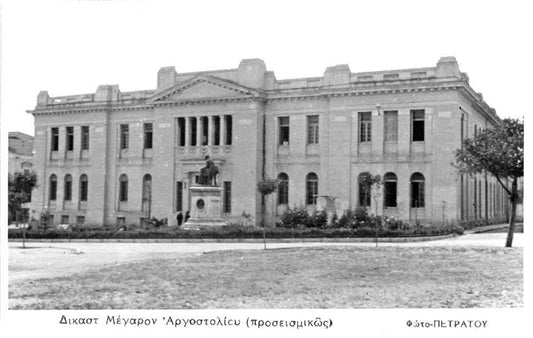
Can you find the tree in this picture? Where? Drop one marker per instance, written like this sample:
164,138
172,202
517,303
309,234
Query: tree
265,188
20,186
498,151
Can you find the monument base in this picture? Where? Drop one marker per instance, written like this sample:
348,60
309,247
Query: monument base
206,207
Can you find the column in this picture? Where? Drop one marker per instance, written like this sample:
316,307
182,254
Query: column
198,131
222,130
210,130
187,131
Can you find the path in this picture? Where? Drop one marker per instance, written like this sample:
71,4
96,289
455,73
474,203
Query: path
45,260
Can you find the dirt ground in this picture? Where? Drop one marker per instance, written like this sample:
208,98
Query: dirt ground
305,277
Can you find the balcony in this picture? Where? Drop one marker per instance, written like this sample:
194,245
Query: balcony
283,149
194,151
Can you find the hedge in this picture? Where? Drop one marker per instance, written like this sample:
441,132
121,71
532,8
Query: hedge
231,232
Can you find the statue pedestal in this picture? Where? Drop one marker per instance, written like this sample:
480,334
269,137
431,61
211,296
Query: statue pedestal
206,207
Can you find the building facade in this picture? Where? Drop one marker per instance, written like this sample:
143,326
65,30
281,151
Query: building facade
20,152
115,157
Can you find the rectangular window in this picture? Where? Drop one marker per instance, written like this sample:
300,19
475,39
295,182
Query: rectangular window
391,126
193,122
365,127
462,129
69,138
124,136
65,219
53,190
68,190
123,192
205,130
55,139
84,185
229,129
417,118
283,192
85,138
50,220
227,197
390,194
479,200
181,131
179,196
364,194
417,194
312,129
80,220
311,190
284,130
475,198
216,133
148,135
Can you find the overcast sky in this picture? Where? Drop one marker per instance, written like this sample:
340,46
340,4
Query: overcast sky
71,47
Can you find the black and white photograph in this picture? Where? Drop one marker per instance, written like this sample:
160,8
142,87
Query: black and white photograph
260,168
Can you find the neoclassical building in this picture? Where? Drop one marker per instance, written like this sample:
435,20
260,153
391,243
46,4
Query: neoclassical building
113,157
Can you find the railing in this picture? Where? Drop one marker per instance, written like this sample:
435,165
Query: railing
184,151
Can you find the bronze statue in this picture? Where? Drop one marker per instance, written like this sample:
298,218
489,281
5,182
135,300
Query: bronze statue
208,174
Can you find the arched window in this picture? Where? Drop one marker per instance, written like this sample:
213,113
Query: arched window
147,194
311,191
53,188
84,188
417,190
123,188
364,189
67,188
390,190
283,188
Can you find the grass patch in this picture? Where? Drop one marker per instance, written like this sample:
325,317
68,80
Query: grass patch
324,277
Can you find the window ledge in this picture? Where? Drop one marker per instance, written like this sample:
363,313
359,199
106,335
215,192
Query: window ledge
148,153
123,205
312,149
55,155
283,149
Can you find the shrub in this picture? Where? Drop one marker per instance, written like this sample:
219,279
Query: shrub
345,219
293,218
360,214
334,220
317,220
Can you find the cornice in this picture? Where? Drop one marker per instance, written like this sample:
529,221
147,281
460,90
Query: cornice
209,100
481,106
278,95
353,91
91,109
111,108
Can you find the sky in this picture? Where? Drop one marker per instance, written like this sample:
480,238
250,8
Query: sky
71,47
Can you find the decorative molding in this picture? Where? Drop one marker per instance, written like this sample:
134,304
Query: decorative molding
277,95
225,84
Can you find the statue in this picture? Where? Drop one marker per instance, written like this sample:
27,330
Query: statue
208,174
